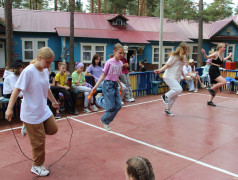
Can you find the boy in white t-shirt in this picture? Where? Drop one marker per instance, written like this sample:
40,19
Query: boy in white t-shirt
187,71
35,113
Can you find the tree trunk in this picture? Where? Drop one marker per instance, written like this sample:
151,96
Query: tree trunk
71,48
99,6
200,34
9,32
142,8
33,4
36,5
92,6
145,7
105,6
114,9
56,5
138,7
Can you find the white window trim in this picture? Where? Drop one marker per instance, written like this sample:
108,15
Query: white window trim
92,51
163,56
233,51
35,49
191,50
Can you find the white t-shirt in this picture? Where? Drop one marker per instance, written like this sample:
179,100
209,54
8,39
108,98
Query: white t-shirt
175,68
187,69
35,85
9,83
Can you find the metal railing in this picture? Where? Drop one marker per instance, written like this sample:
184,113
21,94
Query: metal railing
141,85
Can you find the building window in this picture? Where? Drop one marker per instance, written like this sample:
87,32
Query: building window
30,47
88,50
230,49
193,52
165,56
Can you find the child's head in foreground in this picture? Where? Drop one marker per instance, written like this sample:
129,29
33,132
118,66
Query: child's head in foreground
139,168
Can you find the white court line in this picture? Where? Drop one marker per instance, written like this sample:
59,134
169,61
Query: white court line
161,149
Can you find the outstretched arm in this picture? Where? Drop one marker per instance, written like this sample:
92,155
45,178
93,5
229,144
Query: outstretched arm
227,57
211,56
157,71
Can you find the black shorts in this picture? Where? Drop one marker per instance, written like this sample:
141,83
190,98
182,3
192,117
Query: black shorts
214,72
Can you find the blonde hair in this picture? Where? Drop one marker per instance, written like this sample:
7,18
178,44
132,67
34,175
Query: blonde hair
117,46
139,168
183,46
61,64
33,61
45,53
219,46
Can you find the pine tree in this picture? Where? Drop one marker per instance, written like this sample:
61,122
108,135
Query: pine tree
236,10
218,10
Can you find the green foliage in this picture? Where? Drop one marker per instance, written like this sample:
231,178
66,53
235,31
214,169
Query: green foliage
236,10
218,10
78,6
180,10
17,4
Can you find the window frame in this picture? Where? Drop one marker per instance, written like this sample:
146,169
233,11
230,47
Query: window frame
34,47
93,51
233,51
191,50
163,56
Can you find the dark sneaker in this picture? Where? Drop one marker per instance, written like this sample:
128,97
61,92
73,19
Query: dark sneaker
167,111
210,103
57,116
74,112
211,91
164,99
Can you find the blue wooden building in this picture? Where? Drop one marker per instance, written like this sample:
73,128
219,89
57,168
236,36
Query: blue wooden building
97,33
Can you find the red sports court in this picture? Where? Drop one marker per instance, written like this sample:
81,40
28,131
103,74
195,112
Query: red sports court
199,143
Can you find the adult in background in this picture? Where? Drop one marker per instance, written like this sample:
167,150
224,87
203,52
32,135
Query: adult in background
125,79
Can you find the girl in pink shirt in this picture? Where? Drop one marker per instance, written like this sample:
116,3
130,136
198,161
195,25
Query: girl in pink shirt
110,100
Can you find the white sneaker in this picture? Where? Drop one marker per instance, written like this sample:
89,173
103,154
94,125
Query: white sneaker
106,126
128,100
122,102
203,85
132,100
86,110
237,92
40,170
95,109
196,90
23,130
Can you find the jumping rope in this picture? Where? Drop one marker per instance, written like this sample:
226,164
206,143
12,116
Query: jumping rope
36,177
